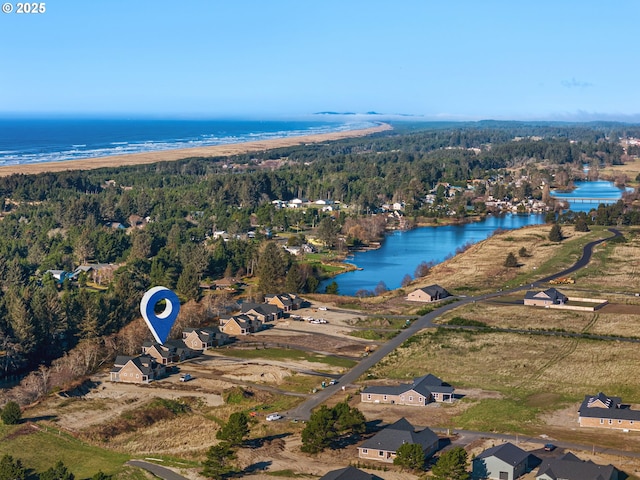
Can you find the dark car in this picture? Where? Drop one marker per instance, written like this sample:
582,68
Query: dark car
549,447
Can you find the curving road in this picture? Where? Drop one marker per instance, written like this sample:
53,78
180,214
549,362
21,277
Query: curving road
303,411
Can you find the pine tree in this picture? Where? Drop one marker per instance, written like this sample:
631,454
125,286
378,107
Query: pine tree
59,472
218,463
555,235
11,413
11,469
271,268
410,455
319,432
451,465
511,260
235,430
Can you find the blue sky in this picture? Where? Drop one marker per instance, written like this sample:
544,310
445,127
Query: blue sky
560,60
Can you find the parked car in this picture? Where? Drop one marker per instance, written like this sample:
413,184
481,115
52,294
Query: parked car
333,382
324,309
549,447
185,377
273,417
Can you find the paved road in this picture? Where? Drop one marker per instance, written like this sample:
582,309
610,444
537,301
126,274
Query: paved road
157,470
303,411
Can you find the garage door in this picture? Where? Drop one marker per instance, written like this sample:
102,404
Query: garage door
504,475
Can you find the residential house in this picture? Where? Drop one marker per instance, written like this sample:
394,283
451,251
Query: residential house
163,354
286,301
240,324
348,473
422,391
428,294
265,312
551,296
570,467
383,445
607,412
203,338
502,462
96,272
172,351
141,369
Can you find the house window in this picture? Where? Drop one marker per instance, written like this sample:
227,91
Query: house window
137,376
384,397
630,422
411,398
368,396
601,421
420,399
619,421
380,453
610,421
365,451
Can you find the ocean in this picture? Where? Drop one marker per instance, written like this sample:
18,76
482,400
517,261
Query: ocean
25,141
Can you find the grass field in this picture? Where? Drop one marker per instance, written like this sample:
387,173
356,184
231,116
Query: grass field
506,315
290,354
40,447
520,367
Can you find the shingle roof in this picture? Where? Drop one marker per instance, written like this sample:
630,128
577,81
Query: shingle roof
613,411
434,290
399,433
423,385
507,452
348,473
570,467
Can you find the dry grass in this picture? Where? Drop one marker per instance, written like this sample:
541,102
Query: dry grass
481,267
614,266
518,364
607,321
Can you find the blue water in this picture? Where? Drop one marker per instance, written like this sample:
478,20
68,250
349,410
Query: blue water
597,189
402,252
52,140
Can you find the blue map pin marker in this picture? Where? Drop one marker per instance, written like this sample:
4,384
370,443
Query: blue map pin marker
160,324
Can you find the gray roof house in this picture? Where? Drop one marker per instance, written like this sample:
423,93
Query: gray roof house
348,473
550,296
602,411
428,294
502,462
384,444
264,311
423,390
570,467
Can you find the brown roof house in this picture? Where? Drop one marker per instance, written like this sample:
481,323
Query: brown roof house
172,351
601,411
428,294
551,296
422,391
570,467
240,324
286,301
264,312
141,369
502,462
203,338
384,444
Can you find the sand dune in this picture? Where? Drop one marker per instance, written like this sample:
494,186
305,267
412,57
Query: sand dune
171,155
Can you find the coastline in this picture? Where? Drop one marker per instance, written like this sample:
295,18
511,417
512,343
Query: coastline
144,158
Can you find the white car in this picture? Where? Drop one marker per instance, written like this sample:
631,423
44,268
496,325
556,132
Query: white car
324,309
273,417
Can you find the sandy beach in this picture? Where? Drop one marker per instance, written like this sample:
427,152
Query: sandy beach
178,154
